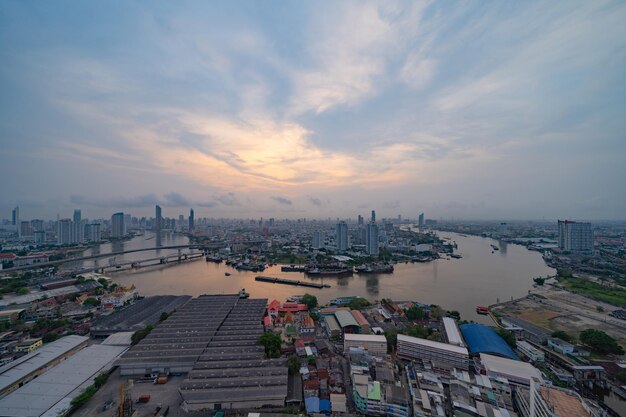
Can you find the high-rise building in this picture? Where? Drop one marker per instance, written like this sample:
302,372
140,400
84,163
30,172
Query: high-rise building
118,228
191,221
318,239
360,220
40,237
373,220
420,220
94,232
15,214
26,229
575,237
504,230
37,225
158,219
341,237
77,229
272,221
371,239
64,232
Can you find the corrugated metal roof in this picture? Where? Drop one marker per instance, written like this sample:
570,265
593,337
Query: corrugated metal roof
452,332
345,319
483,339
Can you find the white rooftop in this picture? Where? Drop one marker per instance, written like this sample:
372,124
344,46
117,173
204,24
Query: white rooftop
53,388
364,338
452,332
515,369
433,344
119,339
20,368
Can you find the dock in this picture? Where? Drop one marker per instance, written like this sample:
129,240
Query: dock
274,280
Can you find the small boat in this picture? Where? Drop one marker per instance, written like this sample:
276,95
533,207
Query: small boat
243,293
455,256
227,274
482,310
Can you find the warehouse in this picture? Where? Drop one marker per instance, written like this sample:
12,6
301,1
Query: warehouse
515,371
442,354
332,327
138,315
231,372
53,391
453,335
347,322
17,373
175,345
374,344
483,339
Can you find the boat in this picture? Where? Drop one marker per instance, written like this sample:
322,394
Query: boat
342,301
482,310
243,293
295,298
293,268
329,271
455,256
216,259
374,269
494,247
227,274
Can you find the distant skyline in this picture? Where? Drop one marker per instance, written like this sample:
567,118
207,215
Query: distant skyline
508,110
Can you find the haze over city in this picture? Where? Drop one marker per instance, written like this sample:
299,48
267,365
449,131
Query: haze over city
319,109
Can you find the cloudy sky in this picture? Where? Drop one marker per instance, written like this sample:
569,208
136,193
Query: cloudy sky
476,110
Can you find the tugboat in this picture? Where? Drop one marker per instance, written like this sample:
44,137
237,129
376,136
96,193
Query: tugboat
482,310
243,293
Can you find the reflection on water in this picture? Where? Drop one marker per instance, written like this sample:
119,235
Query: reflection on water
479,278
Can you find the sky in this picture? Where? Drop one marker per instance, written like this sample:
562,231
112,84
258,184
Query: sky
467,110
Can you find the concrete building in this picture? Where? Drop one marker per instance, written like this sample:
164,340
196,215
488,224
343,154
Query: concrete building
64,232
516,372
192,224
78,233
158,218
332,327
442,354
542,401
15,216
371,239
118,227
531,352
374,344
575,237
341,236
40,237
318,239
94,232
347,322
29,345
373,218
420,220
560,346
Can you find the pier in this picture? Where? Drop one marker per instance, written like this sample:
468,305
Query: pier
274,280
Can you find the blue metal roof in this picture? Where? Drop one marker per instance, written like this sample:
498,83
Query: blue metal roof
483,339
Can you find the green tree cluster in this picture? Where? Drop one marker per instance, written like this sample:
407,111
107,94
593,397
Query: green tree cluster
415,313
271,342
309,300
509,337
293,363
140,334
600,342
539,281
560,334
358,303
91,302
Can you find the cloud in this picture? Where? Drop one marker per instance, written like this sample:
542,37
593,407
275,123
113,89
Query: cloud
282,200
315,201
175,199
227,199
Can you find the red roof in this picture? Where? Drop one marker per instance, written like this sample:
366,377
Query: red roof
267,321
8,256
358,316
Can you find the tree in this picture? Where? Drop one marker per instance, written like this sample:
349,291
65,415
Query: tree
49,337
454,314
435,312
164,316
600,342
560,334
358,303
91,302
415,313
508,337
140,334
22,291
101,379
293,363
271,341
539,280
392,339
309,300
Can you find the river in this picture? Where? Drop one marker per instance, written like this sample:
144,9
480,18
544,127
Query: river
481,277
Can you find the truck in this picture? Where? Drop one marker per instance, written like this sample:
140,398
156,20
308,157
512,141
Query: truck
161,379
143,398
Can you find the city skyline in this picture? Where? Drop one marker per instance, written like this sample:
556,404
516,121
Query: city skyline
473,111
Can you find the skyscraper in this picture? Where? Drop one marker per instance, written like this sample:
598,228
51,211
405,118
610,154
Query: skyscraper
118,229
15,214
359,220
575,237
318,239
191,221
77,229
158,220
64,232
373,216
420,221
341,238
371,239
